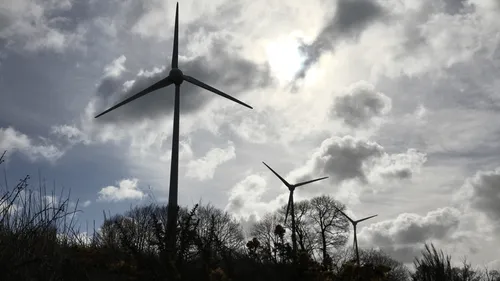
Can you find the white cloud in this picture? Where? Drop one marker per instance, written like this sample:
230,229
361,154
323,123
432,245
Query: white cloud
410,228
404,236
400,165
50,201
245,198
204,168
116,67
87,203
15,141
5,208
70,133
126,189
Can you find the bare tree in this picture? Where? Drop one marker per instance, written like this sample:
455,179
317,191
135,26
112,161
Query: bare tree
303,225
331,228
264,232
219,227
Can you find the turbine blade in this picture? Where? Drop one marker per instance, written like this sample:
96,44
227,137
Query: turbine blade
307,182
200,84
282,179
345,215
288,206
158,85
366,218
175,49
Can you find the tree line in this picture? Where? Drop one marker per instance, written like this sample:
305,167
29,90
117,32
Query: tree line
41,240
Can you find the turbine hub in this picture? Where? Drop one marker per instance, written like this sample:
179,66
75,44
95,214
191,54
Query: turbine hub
176,76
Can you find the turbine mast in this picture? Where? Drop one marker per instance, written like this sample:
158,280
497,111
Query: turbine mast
171,230
294,230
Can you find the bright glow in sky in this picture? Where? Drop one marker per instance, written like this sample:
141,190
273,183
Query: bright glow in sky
284,58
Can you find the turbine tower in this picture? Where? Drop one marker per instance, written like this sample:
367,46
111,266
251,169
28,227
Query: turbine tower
354,224
291,188
176,77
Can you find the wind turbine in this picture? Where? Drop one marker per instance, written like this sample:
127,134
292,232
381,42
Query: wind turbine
176,77
354,224
291,188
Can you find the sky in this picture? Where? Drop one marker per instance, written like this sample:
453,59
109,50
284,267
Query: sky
396,101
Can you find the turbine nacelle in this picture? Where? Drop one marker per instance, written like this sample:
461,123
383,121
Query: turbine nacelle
291,187
354,222
176,76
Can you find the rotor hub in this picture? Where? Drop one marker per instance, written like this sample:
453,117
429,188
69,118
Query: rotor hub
176,76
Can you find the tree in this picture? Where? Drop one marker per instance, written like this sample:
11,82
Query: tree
492,275
398,271
218,229
331,228
264,232
303,225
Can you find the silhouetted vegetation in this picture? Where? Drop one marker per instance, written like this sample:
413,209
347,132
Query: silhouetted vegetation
40,240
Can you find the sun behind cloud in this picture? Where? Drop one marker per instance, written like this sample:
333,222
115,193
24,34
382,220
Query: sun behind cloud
284,57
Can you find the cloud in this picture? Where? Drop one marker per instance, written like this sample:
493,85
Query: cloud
350,19
220,67
5,207
37,25
70,133
360,104
400,165
15,141
204,168
345,158
482,192
127,189
349,158
116,67
494,265
410,228
404,236
87,203
245,198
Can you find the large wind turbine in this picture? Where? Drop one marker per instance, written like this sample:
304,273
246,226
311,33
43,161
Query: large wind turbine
291,188
354,224
175,77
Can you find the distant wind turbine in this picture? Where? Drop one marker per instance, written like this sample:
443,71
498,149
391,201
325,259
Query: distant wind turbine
174,77
291,188
354,224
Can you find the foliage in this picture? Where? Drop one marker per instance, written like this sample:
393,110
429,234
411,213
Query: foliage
434,265
39,240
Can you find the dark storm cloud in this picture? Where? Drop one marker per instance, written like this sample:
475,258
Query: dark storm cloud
345,158
227,72
453,7
348,158
360,105
69,19
40,16
483,191
350,19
